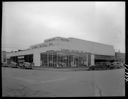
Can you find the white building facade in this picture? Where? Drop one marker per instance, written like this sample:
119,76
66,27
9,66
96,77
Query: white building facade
67,51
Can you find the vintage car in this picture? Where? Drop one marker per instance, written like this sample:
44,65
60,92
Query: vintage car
25,65
13,64
4,64
28,65
117,65
21,64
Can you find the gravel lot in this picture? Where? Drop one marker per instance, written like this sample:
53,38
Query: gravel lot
46,83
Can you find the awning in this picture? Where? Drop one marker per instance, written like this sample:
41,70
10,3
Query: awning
102,57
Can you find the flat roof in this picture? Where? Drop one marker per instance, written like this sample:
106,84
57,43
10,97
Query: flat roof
72,44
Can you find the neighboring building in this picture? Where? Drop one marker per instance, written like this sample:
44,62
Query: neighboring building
120,57
3,57
69,52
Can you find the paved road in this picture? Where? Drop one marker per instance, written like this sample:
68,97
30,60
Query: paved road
40,83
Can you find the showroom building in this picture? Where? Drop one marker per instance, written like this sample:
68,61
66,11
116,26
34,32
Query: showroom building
64,52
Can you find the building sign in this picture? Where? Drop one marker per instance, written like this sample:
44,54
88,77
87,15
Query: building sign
42,45
50,42
57,38
19,57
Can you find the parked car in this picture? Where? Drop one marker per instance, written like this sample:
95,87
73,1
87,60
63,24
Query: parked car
92,67
4,64
117,65
13,64
27,65
101,66
21,65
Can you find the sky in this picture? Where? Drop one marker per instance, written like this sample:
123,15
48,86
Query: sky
29,23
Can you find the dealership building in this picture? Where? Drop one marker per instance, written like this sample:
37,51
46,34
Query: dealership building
64,52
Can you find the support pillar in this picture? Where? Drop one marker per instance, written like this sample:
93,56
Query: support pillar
92,59
87,59
36,59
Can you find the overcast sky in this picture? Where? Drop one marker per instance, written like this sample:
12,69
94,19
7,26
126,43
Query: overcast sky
28,23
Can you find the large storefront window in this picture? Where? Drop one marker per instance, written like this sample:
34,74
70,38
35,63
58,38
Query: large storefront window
57,59
44,59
